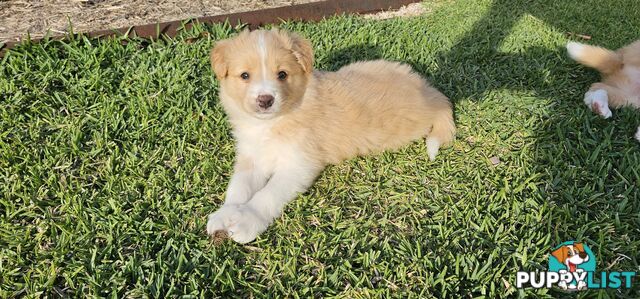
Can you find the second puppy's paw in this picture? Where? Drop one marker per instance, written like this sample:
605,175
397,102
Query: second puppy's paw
598,101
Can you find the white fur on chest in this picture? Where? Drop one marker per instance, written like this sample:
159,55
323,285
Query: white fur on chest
266,149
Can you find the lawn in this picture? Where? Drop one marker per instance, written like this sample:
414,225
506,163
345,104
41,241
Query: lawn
112,155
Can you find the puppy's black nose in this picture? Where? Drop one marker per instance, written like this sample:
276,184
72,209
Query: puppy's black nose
265,101
583,255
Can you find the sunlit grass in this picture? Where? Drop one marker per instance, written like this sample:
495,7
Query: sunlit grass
112,155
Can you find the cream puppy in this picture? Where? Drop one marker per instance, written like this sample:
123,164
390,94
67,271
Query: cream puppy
290,121
620,70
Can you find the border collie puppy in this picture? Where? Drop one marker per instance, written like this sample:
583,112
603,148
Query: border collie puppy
290,121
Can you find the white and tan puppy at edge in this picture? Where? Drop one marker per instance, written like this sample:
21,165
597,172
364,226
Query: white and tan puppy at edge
620,70
290,121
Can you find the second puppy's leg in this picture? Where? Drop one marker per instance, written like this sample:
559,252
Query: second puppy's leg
600,96
598,102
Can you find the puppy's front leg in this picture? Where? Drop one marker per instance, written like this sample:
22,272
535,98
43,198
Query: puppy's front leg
244,183
245,222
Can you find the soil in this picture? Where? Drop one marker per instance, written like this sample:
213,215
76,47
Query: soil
411,10
36,17
19,17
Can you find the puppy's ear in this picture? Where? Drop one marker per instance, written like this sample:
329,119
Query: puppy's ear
560,254
218,63
579,247
303,50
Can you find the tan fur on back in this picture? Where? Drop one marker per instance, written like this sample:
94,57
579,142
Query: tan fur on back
366,107
362,108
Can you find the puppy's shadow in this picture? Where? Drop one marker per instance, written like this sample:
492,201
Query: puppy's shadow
341,57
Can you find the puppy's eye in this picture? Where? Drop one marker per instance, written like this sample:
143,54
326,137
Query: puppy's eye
244,76
282,75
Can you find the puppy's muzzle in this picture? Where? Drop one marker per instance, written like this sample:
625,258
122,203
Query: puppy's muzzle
265,101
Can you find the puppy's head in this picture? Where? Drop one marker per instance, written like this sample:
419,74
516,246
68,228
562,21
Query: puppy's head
264,73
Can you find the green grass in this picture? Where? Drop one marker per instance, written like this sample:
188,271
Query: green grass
112,156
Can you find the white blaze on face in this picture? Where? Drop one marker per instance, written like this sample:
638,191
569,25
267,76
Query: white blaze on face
264,84
262,50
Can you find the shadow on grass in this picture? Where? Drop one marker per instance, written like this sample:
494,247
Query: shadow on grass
589,166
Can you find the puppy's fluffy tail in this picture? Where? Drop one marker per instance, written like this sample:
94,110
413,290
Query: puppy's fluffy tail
601,59
442,133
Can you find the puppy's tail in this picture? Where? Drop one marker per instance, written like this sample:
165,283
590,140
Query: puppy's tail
442,133
601,59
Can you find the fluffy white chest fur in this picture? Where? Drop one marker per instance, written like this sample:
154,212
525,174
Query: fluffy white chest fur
258,143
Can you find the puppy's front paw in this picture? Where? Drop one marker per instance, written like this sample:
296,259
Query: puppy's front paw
241,223
249,227
598,101
219,219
